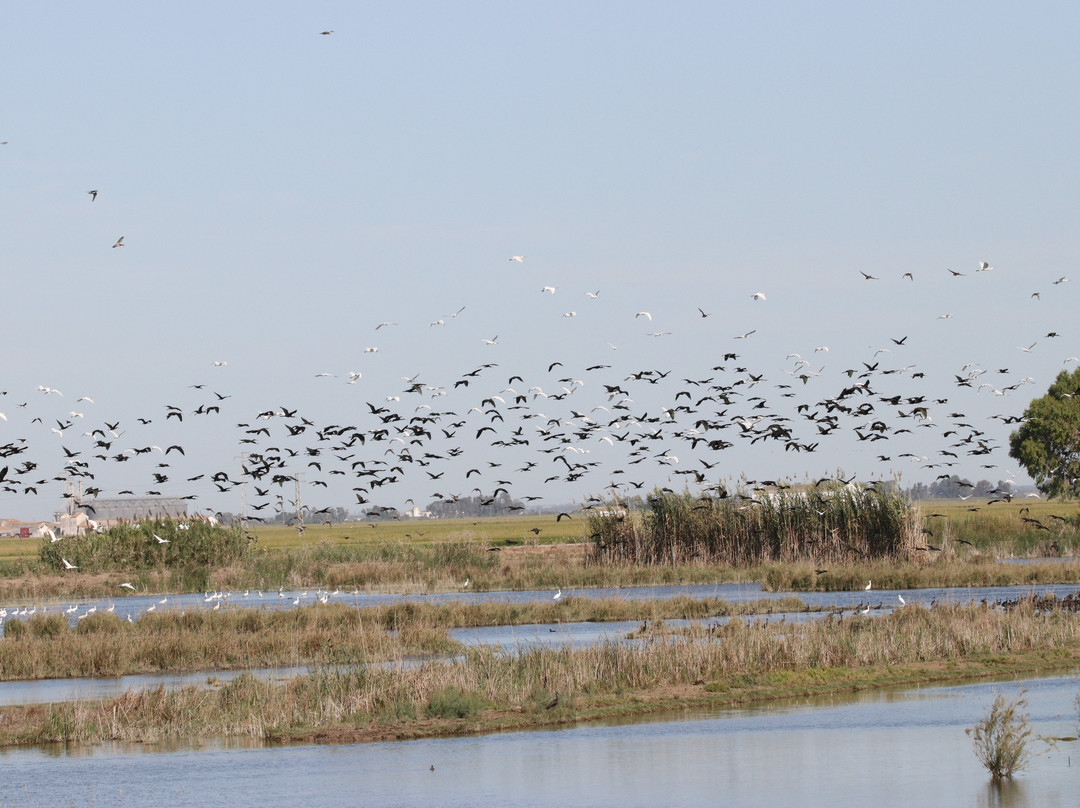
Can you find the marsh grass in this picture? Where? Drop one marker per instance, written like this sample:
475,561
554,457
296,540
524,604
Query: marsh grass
736,661
101,644
916,573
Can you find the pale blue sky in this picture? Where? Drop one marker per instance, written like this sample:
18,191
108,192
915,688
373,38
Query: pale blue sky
281,193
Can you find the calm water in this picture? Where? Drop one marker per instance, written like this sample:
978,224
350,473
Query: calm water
882,749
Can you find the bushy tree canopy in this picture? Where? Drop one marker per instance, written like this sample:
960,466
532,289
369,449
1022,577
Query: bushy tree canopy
1047,444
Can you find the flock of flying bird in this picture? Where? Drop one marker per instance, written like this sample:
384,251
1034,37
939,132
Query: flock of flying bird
492,431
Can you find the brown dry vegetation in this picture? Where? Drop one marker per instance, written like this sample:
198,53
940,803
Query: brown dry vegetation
103,645
485,689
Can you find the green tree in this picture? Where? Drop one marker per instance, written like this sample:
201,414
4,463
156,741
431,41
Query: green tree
1047,444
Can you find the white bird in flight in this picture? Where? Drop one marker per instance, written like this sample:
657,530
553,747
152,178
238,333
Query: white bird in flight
519,258
67,564
643,314
758,296
160,540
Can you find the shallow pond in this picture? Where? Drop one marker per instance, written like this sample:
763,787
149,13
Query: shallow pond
887,748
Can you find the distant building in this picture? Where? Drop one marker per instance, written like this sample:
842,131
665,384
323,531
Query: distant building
15,529
130,509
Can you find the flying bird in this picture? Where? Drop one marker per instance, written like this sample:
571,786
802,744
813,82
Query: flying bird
519,258
758,296
119,242
93,195
67,564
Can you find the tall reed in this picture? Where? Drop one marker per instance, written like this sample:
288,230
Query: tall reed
844,523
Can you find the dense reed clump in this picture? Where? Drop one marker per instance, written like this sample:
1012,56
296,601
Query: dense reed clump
150,544
843,523
483,688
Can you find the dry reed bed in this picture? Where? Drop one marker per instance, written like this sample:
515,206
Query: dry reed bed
917,573
101,644
485,689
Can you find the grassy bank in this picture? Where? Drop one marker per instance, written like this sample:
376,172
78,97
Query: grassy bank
332,634
485,690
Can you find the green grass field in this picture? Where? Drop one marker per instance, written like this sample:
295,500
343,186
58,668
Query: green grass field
496,532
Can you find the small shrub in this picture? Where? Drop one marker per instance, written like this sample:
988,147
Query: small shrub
14,628
453,703
100,623
51,625
397,712
1002,740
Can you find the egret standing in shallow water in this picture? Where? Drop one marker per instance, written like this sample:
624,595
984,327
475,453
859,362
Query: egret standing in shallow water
557,595
902,601
868,585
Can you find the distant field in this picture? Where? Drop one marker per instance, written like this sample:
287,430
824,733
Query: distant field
1036,508
492,531
12,549
1025,526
